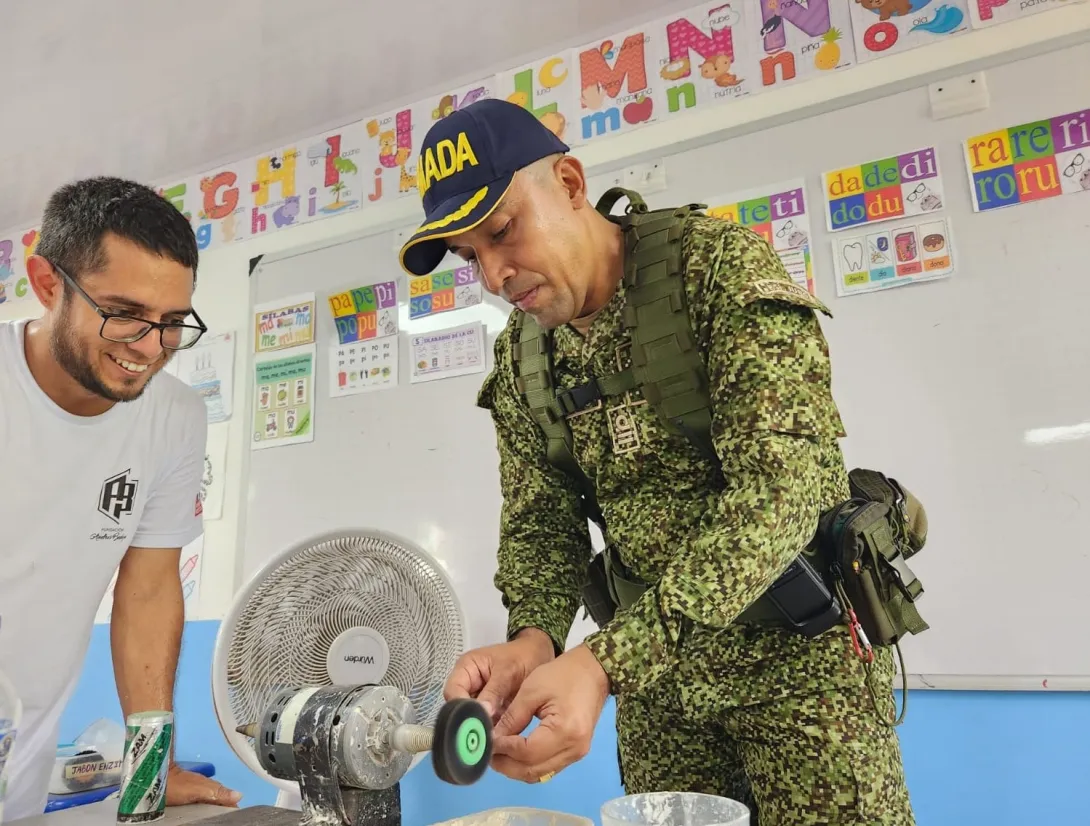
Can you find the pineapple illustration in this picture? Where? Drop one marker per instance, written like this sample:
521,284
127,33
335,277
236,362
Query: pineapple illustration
828,56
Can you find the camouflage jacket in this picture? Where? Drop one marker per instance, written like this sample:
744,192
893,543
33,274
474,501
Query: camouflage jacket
709,543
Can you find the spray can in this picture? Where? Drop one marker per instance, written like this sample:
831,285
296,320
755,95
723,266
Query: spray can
143,792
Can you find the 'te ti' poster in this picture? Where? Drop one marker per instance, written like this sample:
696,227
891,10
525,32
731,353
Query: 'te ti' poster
1030,162
900,186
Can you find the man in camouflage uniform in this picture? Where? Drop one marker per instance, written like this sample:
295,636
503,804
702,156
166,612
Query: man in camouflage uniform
705,703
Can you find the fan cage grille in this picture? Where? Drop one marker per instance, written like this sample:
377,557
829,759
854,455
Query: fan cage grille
289,622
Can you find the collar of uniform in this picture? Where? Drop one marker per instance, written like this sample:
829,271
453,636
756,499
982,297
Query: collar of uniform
606,331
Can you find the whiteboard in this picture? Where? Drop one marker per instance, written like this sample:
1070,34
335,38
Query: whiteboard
971,390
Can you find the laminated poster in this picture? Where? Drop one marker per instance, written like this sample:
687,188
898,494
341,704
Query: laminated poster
796,40
704,57
274,179
443,291
456,351
619,86
779,214
363,367
987,13
15,248
209,368
390,153
446,158
901,186
549,88
365,312
217,204
283,398
1030,162
892,256
286,322
886,27
330,180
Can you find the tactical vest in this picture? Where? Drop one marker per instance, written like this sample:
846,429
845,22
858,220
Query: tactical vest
860,546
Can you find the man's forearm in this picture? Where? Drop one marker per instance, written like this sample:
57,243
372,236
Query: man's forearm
145,638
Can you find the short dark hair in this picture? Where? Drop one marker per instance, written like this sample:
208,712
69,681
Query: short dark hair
80,214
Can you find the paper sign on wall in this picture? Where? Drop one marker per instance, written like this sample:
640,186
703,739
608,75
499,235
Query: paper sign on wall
457,351
287,322
704,56
801,40
212,482
619,83
443,291
549,88
893,256
391,151
987,13
778,213
209,368
895,187
363,367
1030,162
365,312
886,27
283,398
330,180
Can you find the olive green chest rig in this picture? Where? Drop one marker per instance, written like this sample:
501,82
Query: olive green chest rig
667,368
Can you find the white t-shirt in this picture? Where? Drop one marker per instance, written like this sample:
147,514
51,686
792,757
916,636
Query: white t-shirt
76,493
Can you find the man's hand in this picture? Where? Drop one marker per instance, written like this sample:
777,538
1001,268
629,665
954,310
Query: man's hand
185,787
494,674
567,695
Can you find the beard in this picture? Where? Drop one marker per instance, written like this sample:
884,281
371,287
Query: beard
68,353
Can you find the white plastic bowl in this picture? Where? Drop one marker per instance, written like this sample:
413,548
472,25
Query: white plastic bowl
518,816
674,809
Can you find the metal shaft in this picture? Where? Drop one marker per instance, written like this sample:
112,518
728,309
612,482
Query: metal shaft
412,739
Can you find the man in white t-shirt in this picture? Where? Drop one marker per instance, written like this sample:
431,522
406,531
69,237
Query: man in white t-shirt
101,460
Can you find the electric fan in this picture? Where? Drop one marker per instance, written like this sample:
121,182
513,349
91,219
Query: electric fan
328,677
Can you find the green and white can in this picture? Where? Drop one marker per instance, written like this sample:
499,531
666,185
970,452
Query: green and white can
143,790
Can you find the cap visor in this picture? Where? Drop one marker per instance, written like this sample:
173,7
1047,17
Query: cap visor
426,247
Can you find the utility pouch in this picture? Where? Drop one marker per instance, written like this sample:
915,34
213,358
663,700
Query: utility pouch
867,541
597,601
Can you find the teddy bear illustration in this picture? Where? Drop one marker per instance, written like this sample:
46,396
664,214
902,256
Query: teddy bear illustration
887,8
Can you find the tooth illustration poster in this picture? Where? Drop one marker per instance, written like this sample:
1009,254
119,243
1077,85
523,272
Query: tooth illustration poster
885,27
899,186
904,253
779,214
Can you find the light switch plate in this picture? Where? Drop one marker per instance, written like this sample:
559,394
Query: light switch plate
646,178
959,96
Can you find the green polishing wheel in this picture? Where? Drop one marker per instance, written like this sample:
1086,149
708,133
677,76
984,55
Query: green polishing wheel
462,745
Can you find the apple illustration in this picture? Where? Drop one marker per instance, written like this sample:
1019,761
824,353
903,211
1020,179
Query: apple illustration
639,110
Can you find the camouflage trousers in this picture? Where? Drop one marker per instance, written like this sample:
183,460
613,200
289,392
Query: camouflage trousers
810,751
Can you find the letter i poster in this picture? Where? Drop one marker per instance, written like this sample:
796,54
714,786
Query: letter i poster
881,190
619,84
778,213
550,89
1030,162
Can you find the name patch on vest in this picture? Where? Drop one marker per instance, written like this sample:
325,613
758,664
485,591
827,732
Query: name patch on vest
781,290
448,157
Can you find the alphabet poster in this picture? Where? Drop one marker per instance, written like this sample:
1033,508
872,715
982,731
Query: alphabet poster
438,106
550,89
797,40
330,180
274,187
15,249
1030,162
283,398
619,86
892,256
899,186
215,203
987,13
779,214
390,153
885,27
704,56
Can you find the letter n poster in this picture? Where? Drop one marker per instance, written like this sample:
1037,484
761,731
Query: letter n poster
1030,162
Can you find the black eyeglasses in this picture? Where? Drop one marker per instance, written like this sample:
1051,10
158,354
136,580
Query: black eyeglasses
125,329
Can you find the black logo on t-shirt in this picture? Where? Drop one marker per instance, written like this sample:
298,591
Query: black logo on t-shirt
118,496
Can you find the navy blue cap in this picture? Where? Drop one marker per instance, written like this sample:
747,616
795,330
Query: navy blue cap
466,165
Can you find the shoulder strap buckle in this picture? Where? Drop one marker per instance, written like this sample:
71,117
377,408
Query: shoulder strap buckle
583,398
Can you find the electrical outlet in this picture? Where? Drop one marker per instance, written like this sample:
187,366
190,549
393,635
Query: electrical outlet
959,96
646,178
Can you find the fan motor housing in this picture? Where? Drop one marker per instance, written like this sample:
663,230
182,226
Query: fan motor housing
354,724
